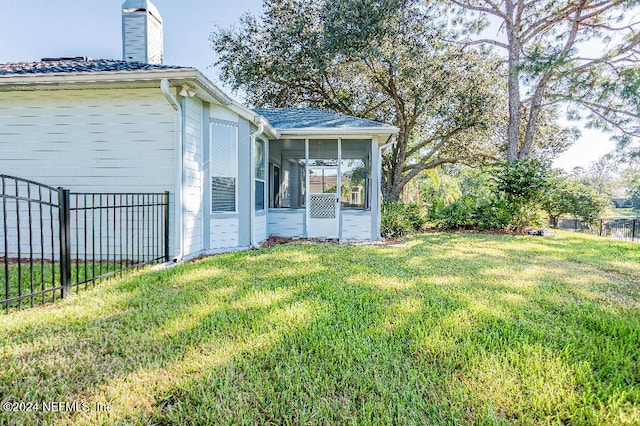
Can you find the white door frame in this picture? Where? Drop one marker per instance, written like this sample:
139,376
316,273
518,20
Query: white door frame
310,222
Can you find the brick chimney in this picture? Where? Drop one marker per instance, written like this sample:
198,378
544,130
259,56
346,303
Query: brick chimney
141,32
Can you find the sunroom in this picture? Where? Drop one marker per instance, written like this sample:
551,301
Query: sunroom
324,174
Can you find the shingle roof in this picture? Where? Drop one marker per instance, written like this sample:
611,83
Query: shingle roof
79,66
300,118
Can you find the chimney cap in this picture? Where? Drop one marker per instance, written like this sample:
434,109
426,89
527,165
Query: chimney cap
141,5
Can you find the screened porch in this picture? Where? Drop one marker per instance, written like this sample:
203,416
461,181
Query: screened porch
322,188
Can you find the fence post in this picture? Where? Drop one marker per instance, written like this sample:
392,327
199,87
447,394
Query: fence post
65,240
601,226
166,226
633,230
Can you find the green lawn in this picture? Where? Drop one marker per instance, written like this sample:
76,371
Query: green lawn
449,329
25,279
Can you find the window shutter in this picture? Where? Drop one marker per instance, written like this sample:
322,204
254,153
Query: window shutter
224,167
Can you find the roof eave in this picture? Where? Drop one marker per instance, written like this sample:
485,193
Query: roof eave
250,115
55,80
208,90
61,78
337,131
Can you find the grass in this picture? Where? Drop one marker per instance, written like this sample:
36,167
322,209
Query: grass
26,278
446,329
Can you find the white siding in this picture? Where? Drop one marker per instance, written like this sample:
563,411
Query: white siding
224,233
286,222
193,175
260,223
110,140
221,113
356,225
90,140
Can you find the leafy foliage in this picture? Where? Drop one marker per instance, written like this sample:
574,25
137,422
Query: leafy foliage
467,200
399,219
504,195
384,60
631,178
523,180
569,197
469,212
581,54
634,196
523,183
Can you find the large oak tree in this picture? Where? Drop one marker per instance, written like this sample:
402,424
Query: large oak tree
378,59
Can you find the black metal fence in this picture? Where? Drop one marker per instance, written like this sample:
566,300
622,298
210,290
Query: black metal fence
55,241
621,229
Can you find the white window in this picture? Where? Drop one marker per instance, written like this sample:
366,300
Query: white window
260,175
224,167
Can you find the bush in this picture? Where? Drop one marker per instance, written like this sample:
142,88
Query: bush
471,212
568,197
503,196
522,184
399,219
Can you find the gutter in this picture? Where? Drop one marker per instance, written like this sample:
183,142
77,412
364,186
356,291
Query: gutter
392,141
337,131
140,78
252,185
98,76
179,203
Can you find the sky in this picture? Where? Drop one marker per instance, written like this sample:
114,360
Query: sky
34,29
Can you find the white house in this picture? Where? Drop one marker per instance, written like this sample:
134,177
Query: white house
236,176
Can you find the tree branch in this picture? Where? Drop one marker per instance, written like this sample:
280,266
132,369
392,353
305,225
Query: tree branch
423,166
467,5
482,41
443,139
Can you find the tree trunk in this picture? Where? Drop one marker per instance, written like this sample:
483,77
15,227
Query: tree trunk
393,196
393,179
392,188
532,122
513,131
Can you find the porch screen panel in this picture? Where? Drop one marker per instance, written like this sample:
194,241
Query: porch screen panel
224,167
289,156
323,152
355,170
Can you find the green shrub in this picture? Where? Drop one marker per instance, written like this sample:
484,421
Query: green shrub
568,197
399,219
500,196
472,212
522,183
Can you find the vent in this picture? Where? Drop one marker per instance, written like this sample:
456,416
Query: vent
65,58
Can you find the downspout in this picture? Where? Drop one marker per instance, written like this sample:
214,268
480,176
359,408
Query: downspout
387,145
392,141
252,185
179,204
